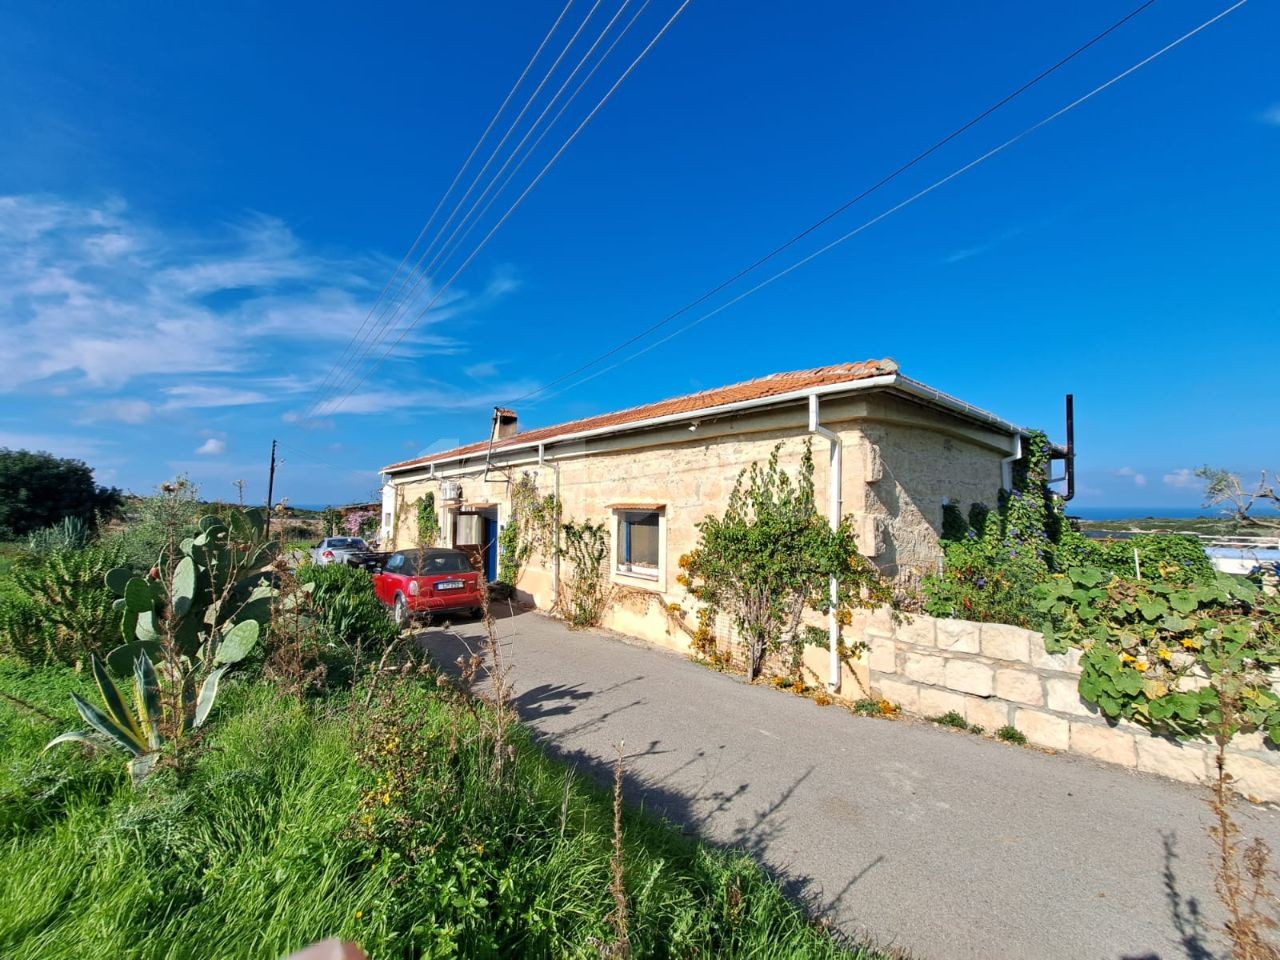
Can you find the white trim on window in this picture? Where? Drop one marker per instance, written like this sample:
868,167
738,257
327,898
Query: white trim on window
650,571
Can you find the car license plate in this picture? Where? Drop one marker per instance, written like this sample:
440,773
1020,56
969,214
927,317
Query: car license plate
450,585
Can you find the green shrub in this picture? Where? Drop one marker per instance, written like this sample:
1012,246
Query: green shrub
343,602
25,634
993,563
164,519
951,719
59,609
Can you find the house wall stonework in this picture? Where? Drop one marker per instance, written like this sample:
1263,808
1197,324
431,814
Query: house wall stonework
899,464
993,675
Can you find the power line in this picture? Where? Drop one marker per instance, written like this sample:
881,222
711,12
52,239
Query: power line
442,256
444,196
551,126
910,200
337,404
389,318
883,181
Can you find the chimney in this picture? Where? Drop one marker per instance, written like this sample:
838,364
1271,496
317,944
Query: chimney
504,423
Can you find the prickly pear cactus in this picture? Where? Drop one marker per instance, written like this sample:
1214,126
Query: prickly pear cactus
213,593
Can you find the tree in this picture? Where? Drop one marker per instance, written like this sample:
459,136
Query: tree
1224,489
38,490
771,557
330,521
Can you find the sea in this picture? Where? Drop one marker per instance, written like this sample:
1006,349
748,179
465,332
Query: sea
1139,513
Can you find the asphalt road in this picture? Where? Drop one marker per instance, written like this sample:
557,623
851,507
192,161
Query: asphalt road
942,843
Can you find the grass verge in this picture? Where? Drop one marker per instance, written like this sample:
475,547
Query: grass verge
382,824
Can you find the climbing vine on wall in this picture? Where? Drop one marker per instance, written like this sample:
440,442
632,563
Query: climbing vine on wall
529,531
428,522
586,587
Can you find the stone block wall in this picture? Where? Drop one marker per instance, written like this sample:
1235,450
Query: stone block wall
996,675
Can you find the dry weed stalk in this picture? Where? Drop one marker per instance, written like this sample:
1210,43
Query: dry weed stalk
1242,874
618,917
293,661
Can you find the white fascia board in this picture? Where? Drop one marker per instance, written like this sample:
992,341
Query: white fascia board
890,380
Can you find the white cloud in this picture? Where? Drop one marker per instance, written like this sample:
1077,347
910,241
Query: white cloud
199,395
429,398
1271,115
1184,479
124,410
1139,479
480,371
212,447
967,253
95,299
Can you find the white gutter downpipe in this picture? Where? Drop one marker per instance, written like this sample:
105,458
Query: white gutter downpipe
835,479
555,550
1006,465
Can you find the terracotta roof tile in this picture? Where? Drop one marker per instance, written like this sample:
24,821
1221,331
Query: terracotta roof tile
773,385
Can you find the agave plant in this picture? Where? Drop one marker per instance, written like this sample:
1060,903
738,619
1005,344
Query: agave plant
141,730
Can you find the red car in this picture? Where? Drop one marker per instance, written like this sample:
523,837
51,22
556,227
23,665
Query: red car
430,581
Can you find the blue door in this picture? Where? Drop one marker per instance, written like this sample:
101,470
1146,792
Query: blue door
490,549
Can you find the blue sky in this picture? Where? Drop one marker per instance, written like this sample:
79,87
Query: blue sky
200,204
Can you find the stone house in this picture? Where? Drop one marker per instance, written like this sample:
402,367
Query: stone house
897,451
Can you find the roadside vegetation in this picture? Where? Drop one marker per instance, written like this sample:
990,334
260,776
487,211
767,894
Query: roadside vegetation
205,751
1167,642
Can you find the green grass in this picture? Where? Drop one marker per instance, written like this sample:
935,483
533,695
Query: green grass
260,847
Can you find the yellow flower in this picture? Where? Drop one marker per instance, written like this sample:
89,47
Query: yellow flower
1140,666
1190,644
1164,654
359,914
1127,658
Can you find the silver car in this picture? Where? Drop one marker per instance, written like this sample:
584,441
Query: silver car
337,549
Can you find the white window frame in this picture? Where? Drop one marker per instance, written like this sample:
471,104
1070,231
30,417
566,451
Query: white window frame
624,574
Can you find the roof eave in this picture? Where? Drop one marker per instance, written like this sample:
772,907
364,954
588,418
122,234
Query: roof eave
883,381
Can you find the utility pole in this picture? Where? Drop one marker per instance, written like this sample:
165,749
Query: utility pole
271,483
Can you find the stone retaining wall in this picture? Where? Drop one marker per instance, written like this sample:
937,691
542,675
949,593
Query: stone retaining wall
993,675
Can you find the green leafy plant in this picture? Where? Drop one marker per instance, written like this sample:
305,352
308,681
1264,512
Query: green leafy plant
342,601
771,556
1011,734
1164,654
160,713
